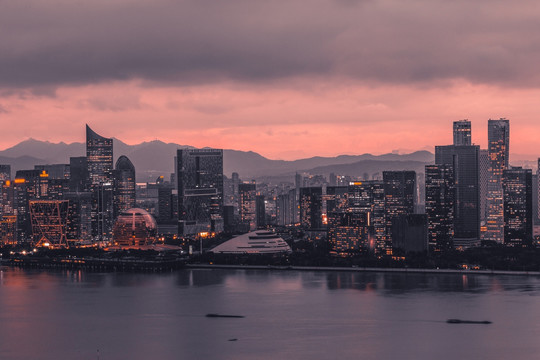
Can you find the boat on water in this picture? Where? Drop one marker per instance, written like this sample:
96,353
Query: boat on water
223,316
459,321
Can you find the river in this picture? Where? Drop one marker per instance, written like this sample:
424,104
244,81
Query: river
288,315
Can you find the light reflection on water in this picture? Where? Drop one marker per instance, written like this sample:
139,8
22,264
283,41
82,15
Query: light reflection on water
289,315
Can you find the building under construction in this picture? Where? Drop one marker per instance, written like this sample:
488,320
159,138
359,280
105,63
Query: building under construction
49,222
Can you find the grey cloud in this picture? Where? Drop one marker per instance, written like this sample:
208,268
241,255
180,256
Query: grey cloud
58,42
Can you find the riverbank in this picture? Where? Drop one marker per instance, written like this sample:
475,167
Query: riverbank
363,269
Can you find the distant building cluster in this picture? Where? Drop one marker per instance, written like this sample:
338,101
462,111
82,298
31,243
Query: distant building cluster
467,196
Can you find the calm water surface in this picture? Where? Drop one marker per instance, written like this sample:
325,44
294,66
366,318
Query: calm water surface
289,315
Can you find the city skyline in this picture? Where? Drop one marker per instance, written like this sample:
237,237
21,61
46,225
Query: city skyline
281,81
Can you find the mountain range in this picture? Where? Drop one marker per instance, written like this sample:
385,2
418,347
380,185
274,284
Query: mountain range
155,158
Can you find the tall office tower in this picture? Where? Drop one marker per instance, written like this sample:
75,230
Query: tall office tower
200,190
440,194
483,173
27,186
283,209
518,214
247,206
79,218
79,179
124,185
165,213
399,193
499,144
538,190
5,172
368,197
99,158
298,183
235,195
260,211
464,161
311,208
462,132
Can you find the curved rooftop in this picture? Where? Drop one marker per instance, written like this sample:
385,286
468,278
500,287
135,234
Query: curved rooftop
123,163
256,242
92,135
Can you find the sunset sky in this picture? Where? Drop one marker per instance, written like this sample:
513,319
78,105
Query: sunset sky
285,78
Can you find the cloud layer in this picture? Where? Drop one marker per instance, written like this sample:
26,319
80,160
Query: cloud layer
59,42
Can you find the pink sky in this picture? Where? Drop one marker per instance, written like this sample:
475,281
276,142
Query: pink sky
279,78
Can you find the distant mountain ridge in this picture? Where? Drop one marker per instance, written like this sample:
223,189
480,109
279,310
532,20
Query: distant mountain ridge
155,158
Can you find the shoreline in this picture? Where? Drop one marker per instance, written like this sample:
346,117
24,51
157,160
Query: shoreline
364,269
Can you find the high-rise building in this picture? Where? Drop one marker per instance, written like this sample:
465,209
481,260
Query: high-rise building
483,162
200,190
79,179
518,214
400,194
124,185
99,157
499,144
440,195
462,132
247,194
55,171
49,222
464,161
368,197
311,208
260,211
538,190
5,172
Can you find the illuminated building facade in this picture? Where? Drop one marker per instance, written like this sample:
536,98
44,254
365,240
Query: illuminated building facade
518,213
465,162
49,222
247,194
462,132
134,227
8,230
368,197
5,172
124,185
349,233
483,176
440,195
79,179
311,207
99,157
199,175
499,145
400,194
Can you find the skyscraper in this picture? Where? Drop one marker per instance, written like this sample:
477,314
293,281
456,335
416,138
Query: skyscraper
311,208
483,162
368,197
499,144
99,157
440,195
517,194
399,193
199,174
247,206
464,161
5,172
124,185
462,132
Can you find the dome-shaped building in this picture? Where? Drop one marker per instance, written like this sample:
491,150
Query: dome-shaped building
134,227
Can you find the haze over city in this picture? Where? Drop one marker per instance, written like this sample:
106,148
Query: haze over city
283,79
